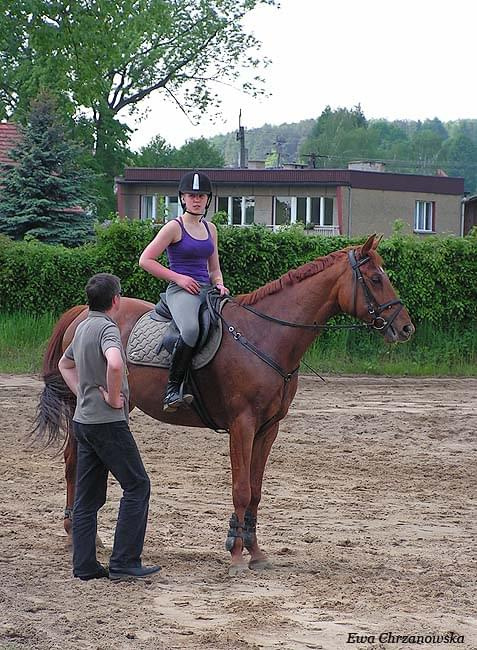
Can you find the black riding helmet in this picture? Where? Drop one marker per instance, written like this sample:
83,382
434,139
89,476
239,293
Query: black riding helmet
195,183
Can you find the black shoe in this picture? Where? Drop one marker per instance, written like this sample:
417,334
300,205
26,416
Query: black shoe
100,573
132,572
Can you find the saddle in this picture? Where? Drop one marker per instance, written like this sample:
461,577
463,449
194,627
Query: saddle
209,307
153,337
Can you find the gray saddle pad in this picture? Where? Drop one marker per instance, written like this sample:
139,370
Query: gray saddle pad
146,336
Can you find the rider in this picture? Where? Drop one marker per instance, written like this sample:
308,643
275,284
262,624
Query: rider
191,245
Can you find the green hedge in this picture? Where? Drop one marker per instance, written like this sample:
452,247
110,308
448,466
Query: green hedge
436,276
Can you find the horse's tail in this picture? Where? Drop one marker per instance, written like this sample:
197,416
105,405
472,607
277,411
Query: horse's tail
55,409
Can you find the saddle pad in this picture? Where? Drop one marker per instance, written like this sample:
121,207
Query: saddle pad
146,336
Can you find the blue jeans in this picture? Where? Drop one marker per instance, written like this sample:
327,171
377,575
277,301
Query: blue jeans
103,448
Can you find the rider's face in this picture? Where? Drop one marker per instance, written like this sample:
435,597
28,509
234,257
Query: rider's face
195,202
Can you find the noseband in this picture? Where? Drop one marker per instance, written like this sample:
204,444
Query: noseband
374,308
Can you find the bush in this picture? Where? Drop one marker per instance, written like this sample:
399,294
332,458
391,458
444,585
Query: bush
436,277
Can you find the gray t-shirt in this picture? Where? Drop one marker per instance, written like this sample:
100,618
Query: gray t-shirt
92,338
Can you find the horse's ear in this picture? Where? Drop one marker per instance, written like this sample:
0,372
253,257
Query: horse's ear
368,245
378,240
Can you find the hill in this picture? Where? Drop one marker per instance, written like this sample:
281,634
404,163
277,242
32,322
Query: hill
339,136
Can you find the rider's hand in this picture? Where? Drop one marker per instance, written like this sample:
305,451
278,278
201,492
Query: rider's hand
223,290
188,283
115,404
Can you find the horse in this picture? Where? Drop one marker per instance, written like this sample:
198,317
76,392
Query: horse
250,383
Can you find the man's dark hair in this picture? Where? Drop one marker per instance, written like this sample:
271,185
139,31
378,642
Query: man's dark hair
101,289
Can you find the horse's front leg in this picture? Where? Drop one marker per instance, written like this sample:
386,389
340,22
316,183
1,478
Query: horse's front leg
70,476
241,441
260,452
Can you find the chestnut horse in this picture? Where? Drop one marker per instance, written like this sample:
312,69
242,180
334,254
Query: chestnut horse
249,385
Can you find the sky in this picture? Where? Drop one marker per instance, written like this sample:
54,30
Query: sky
406,59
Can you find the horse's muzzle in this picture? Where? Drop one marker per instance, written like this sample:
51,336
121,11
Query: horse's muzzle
395,334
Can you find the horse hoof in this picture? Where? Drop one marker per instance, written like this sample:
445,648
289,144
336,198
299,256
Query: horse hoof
260,565
237,569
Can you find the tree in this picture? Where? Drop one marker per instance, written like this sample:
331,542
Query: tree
198,153
105,57
43,193
333,136
155,154
460,154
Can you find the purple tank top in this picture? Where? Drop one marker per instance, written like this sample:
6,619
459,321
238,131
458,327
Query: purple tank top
189,255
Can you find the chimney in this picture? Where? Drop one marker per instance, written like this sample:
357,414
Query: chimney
367,165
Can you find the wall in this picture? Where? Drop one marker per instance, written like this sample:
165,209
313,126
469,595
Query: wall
376,211
371,210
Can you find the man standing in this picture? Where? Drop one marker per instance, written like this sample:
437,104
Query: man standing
94,367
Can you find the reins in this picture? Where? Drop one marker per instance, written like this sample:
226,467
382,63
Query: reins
286,323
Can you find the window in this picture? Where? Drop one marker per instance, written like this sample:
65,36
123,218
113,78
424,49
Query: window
301,209
171,208
148,207
236,210
159,208
240,209
424,216
321,211
317,210
283,205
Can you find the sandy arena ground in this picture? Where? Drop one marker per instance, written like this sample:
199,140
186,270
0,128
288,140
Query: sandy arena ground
368,513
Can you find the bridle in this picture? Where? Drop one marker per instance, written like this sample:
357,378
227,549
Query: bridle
374,308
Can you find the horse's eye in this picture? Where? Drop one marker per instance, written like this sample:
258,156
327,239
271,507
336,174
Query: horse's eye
376,279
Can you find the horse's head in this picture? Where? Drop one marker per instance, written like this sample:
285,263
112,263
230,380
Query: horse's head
367,293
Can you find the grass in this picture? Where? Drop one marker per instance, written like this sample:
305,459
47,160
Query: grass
23,340
430,352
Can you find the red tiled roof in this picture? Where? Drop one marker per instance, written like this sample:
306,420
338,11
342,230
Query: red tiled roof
348,177
9,136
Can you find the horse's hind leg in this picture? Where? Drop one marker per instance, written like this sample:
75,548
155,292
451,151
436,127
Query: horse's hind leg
260,452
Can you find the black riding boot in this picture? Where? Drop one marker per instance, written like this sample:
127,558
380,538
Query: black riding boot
175,393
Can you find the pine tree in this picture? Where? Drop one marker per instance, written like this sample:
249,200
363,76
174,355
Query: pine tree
45,194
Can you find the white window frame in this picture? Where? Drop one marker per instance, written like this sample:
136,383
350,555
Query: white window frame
148,202
293,201
167,209
424,216
243,208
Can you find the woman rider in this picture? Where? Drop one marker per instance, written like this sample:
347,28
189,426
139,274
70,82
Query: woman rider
191,245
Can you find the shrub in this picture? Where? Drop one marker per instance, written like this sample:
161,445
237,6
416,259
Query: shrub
436,277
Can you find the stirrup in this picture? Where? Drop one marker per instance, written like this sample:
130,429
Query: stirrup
173,401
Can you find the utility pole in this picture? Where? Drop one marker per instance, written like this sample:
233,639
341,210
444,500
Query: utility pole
240,136
279,148
312,158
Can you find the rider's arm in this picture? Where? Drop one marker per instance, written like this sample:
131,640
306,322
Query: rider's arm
215,274
168,234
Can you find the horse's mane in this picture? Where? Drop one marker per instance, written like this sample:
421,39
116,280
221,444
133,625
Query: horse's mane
301,273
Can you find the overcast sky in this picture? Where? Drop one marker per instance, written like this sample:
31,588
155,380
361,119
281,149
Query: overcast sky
406,59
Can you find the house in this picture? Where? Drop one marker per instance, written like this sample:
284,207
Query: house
9,137
354,201
469,213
